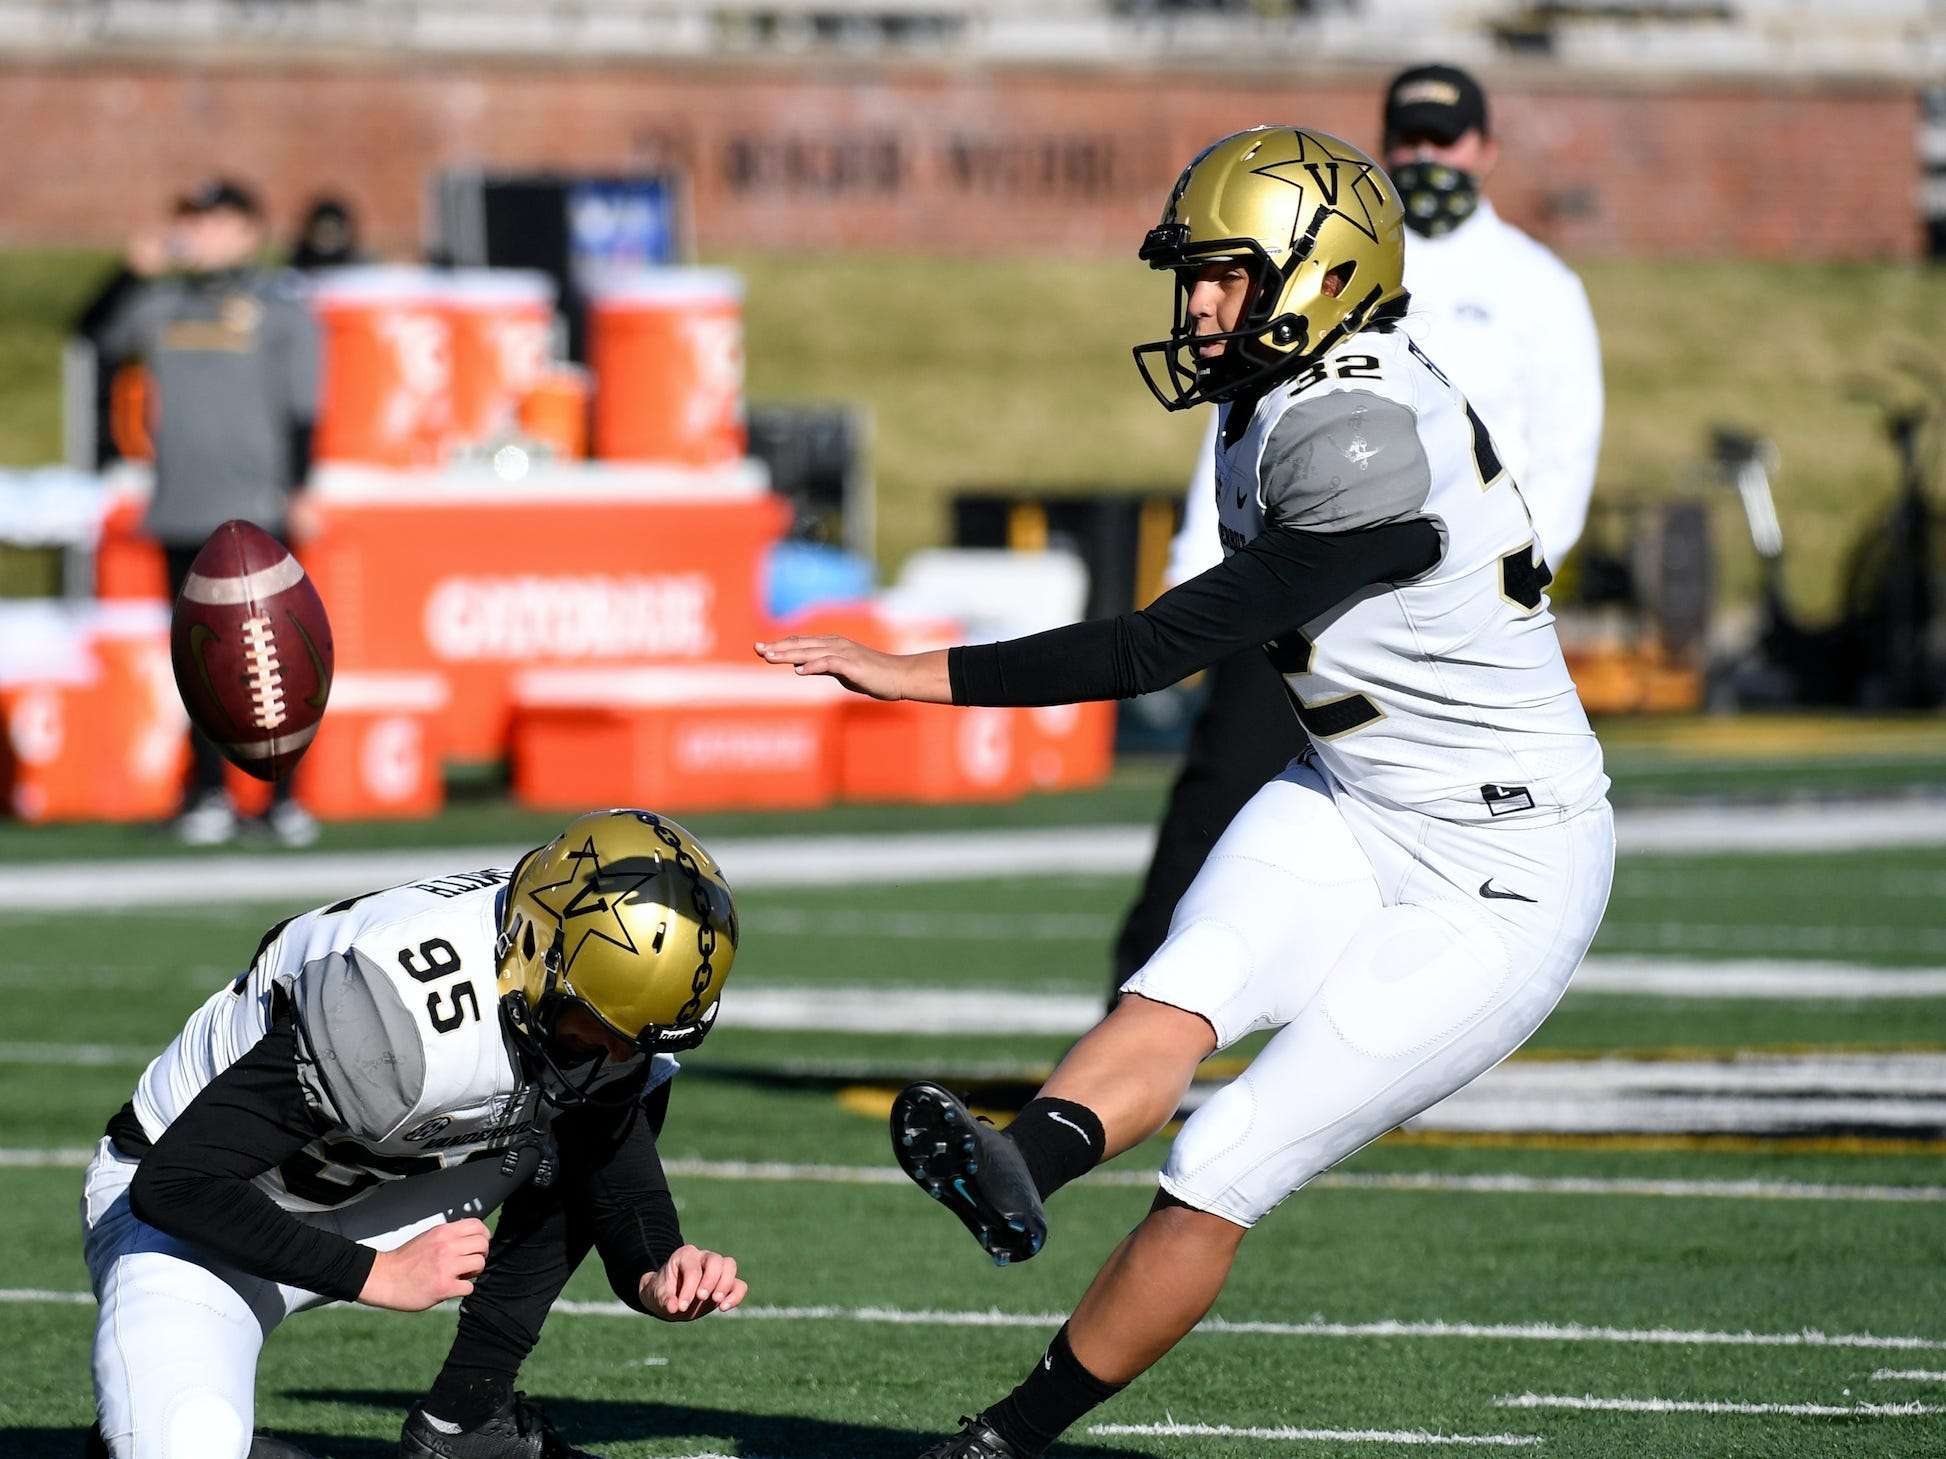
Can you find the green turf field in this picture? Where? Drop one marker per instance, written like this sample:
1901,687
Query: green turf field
1441,1287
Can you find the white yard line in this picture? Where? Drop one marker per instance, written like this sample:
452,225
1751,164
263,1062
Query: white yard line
864,1009
776,861
750,861
1694,977
933,926
1678,934
69,1158
1315,1436
1908,1375
1834,825
40,1297
1542,1332
1675,1405
75,1157
88,1056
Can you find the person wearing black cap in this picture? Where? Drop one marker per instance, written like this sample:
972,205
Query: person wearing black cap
234,354
1501,314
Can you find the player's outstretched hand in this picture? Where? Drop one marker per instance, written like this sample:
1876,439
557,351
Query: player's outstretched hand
866,670
693,1283
861,670
428,1269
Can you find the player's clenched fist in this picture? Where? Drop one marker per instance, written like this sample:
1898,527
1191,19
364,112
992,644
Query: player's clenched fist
428,1269
693,1283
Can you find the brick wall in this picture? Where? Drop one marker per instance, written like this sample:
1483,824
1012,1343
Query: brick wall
949,159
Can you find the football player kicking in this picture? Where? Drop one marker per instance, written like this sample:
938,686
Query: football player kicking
332,1125
1406,903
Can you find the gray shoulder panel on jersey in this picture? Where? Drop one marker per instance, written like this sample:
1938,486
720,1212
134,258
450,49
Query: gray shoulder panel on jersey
368,1058
1342,461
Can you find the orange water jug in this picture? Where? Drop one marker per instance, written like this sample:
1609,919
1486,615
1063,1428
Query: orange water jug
667,351
500,320
388,376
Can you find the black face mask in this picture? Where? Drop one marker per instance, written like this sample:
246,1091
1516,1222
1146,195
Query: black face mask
1437,198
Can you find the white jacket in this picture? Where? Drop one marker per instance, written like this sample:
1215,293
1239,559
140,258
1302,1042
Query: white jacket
1510,324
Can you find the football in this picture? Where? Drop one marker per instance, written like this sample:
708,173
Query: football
252,650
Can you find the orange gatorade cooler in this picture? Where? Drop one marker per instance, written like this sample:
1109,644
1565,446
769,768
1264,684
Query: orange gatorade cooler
53,732
388,367
555,411
377,753
140,776
667,350
500,319
128,563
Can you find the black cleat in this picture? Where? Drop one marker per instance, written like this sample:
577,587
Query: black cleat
972,1169
518,1431
977,1439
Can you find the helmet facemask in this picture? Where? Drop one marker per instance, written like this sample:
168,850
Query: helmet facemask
1245,360
567,1080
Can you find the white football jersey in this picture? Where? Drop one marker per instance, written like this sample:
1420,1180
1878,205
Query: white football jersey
400,1046
1447,694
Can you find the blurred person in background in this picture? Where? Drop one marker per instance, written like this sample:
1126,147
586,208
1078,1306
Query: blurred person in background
328,236
1510,323
1501,314
233,351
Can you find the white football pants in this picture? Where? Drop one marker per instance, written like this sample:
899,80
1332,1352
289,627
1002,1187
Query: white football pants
178,1333
1400,956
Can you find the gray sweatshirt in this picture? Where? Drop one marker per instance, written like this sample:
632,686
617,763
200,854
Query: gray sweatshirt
235,358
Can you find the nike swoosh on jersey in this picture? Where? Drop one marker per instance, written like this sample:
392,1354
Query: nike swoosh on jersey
1487,890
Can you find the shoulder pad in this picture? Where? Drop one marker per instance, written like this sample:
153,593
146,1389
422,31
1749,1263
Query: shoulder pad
364,1061
1342,460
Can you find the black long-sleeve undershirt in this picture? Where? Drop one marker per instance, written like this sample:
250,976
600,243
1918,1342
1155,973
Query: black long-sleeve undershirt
1278,581
198,1184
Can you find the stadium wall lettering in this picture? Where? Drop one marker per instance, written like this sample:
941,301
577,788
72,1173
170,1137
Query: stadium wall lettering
966,160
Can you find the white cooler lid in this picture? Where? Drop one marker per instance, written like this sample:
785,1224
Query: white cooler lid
711,686
665,286
483,288
45,641
395,693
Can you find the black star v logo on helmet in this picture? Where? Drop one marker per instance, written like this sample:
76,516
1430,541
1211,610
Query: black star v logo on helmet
1343,184
588,901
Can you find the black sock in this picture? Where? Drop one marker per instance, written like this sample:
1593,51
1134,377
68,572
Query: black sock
1055,1395
1060,1140
469,1396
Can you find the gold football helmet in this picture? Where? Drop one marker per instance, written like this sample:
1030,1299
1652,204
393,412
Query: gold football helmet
625,915
1295,206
